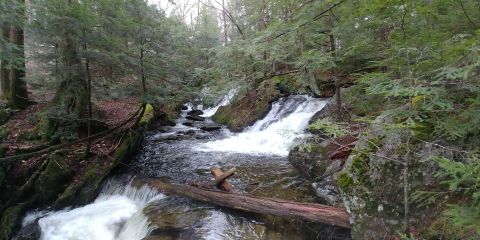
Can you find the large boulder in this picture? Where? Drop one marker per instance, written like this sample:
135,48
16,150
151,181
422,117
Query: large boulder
372,182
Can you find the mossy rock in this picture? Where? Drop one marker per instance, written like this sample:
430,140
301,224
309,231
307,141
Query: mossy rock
288,84
84,191
3,133
310,158
371,181
11,217
3,116
54,179
247,108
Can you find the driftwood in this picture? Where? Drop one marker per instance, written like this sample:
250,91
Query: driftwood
221,178
278,207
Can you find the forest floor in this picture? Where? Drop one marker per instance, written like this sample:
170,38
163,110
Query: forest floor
23,123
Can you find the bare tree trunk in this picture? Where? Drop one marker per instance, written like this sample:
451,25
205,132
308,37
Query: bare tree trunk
89,99
13,85
224,19
336,79
305,211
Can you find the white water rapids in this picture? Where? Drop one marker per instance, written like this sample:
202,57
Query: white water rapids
275,133
116,214
223,102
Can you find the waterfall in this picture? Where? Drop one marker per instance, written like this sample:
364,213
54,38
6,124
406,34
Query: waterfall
275,133
223,102
116,214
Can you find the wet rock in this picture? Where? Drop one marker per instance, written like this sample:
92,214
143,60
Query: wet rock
201,136
188,124
168,215
184,108
195,118
174,137
195,112
31,231
190,132
327,191
211,127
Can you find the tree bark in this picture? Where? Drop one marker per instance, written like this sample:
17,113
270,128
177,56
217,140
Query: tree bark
336,79
12,74
305,211
223,184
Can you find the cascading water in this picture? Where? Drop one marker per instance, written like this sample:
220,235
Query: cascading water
223,102
275,133
126,212
116,214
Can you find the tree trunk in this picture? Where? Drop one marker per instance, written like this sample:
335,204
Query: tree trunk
278,207
336,79
71,99
12,74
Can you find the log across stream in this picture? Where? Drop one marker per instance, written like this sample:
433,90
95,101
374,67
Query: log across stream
305,211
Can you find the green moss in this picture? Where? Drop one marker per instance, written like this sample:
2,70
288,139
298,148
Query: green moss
3,116
287,84
11,218
422,130
248,108
442,228
3,133
345,182
360,168
83,191
54,179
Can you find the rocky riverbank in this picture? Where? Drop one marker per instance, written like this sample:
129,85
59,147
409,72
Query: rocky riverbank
62,178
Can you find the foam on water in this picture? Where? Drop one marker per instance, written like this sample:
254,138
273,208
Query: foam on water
275,133
115,215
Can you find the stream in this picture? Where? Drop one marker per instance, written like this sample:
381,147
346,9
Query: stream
185,154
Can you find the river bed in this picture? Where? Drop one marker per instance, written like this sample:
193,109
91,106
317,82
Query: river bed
185,154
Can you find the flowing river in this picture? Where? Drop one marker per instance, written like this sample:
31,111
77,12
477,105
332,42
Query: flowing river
185,154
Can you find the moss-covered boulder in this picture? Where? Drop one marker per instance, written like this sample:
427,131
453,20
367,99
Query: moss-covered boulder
54,179
372,182
10,217
310,157
247,108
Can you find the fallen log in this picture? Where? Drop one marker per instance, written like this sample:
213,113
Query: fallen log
224,184
278,207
